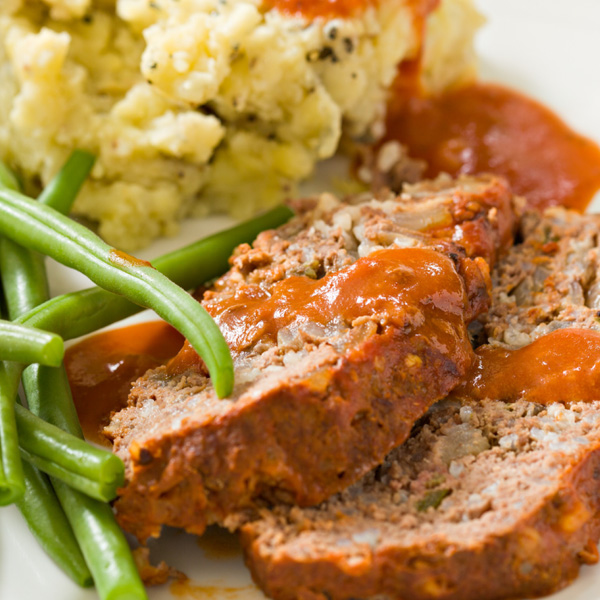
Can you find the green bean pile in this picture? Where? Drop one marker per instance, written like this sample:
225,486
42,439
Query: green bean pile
63,485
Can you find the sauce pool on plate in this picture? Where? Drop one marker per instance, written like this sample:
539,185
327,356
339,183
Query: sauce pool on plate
101,368
489,128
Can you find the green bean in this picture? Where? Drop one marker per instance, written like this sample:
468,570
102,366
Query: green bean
12,484
23,271
18,267
105,492
12,481
48,523
61,192
103,544
40,382
102,541
24,344
25,286
47,231
79,313
95,472
105,548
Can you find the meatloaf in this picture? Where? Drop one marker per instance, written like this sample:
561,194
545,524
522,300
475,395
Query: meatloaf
486,500
491,498
345,326
548,282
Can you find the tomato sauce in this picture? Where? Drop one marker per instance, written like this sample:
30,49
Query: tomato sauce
390,283
563,366
102,367
341,9
414,289
489,128
313,9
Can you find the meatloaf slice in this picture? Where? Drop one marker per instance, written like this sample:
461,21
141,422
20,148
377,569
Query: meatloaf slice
486,500
549,281
345,325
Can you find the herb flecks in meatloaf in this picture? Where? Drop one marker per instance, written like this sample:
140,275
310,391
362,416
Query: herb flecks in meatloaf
317,402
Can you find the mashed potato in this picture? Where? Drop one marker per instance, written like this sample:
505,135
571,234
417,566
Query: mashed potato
202,105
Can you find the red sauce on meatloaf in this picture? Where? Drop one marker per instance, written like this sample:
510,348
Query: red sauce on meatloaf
414,288
563,366
488,128
102,367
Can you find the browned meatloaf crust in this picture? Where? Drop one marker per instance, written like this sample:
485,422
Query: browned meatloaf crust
318,404
489,500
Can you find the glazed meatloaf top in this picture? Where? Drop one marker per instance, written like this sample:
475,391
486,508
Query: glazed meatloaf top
490,498
345,326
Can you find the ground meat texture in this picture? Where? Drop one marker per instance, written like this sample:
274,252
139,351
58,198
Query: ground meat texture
318,403
549,281
387,166
485,500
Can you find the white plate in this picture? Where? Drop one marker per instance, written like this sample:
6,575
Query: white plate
546,48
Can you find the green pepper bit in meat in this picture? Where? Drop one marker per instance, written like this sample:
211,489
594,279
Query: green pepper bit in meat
432,499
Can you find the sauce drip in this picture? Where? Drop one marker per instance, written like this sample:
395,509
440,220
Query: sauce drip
122,259
563,366
313,9
488,128
102,367
341,9
415,289
190,591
